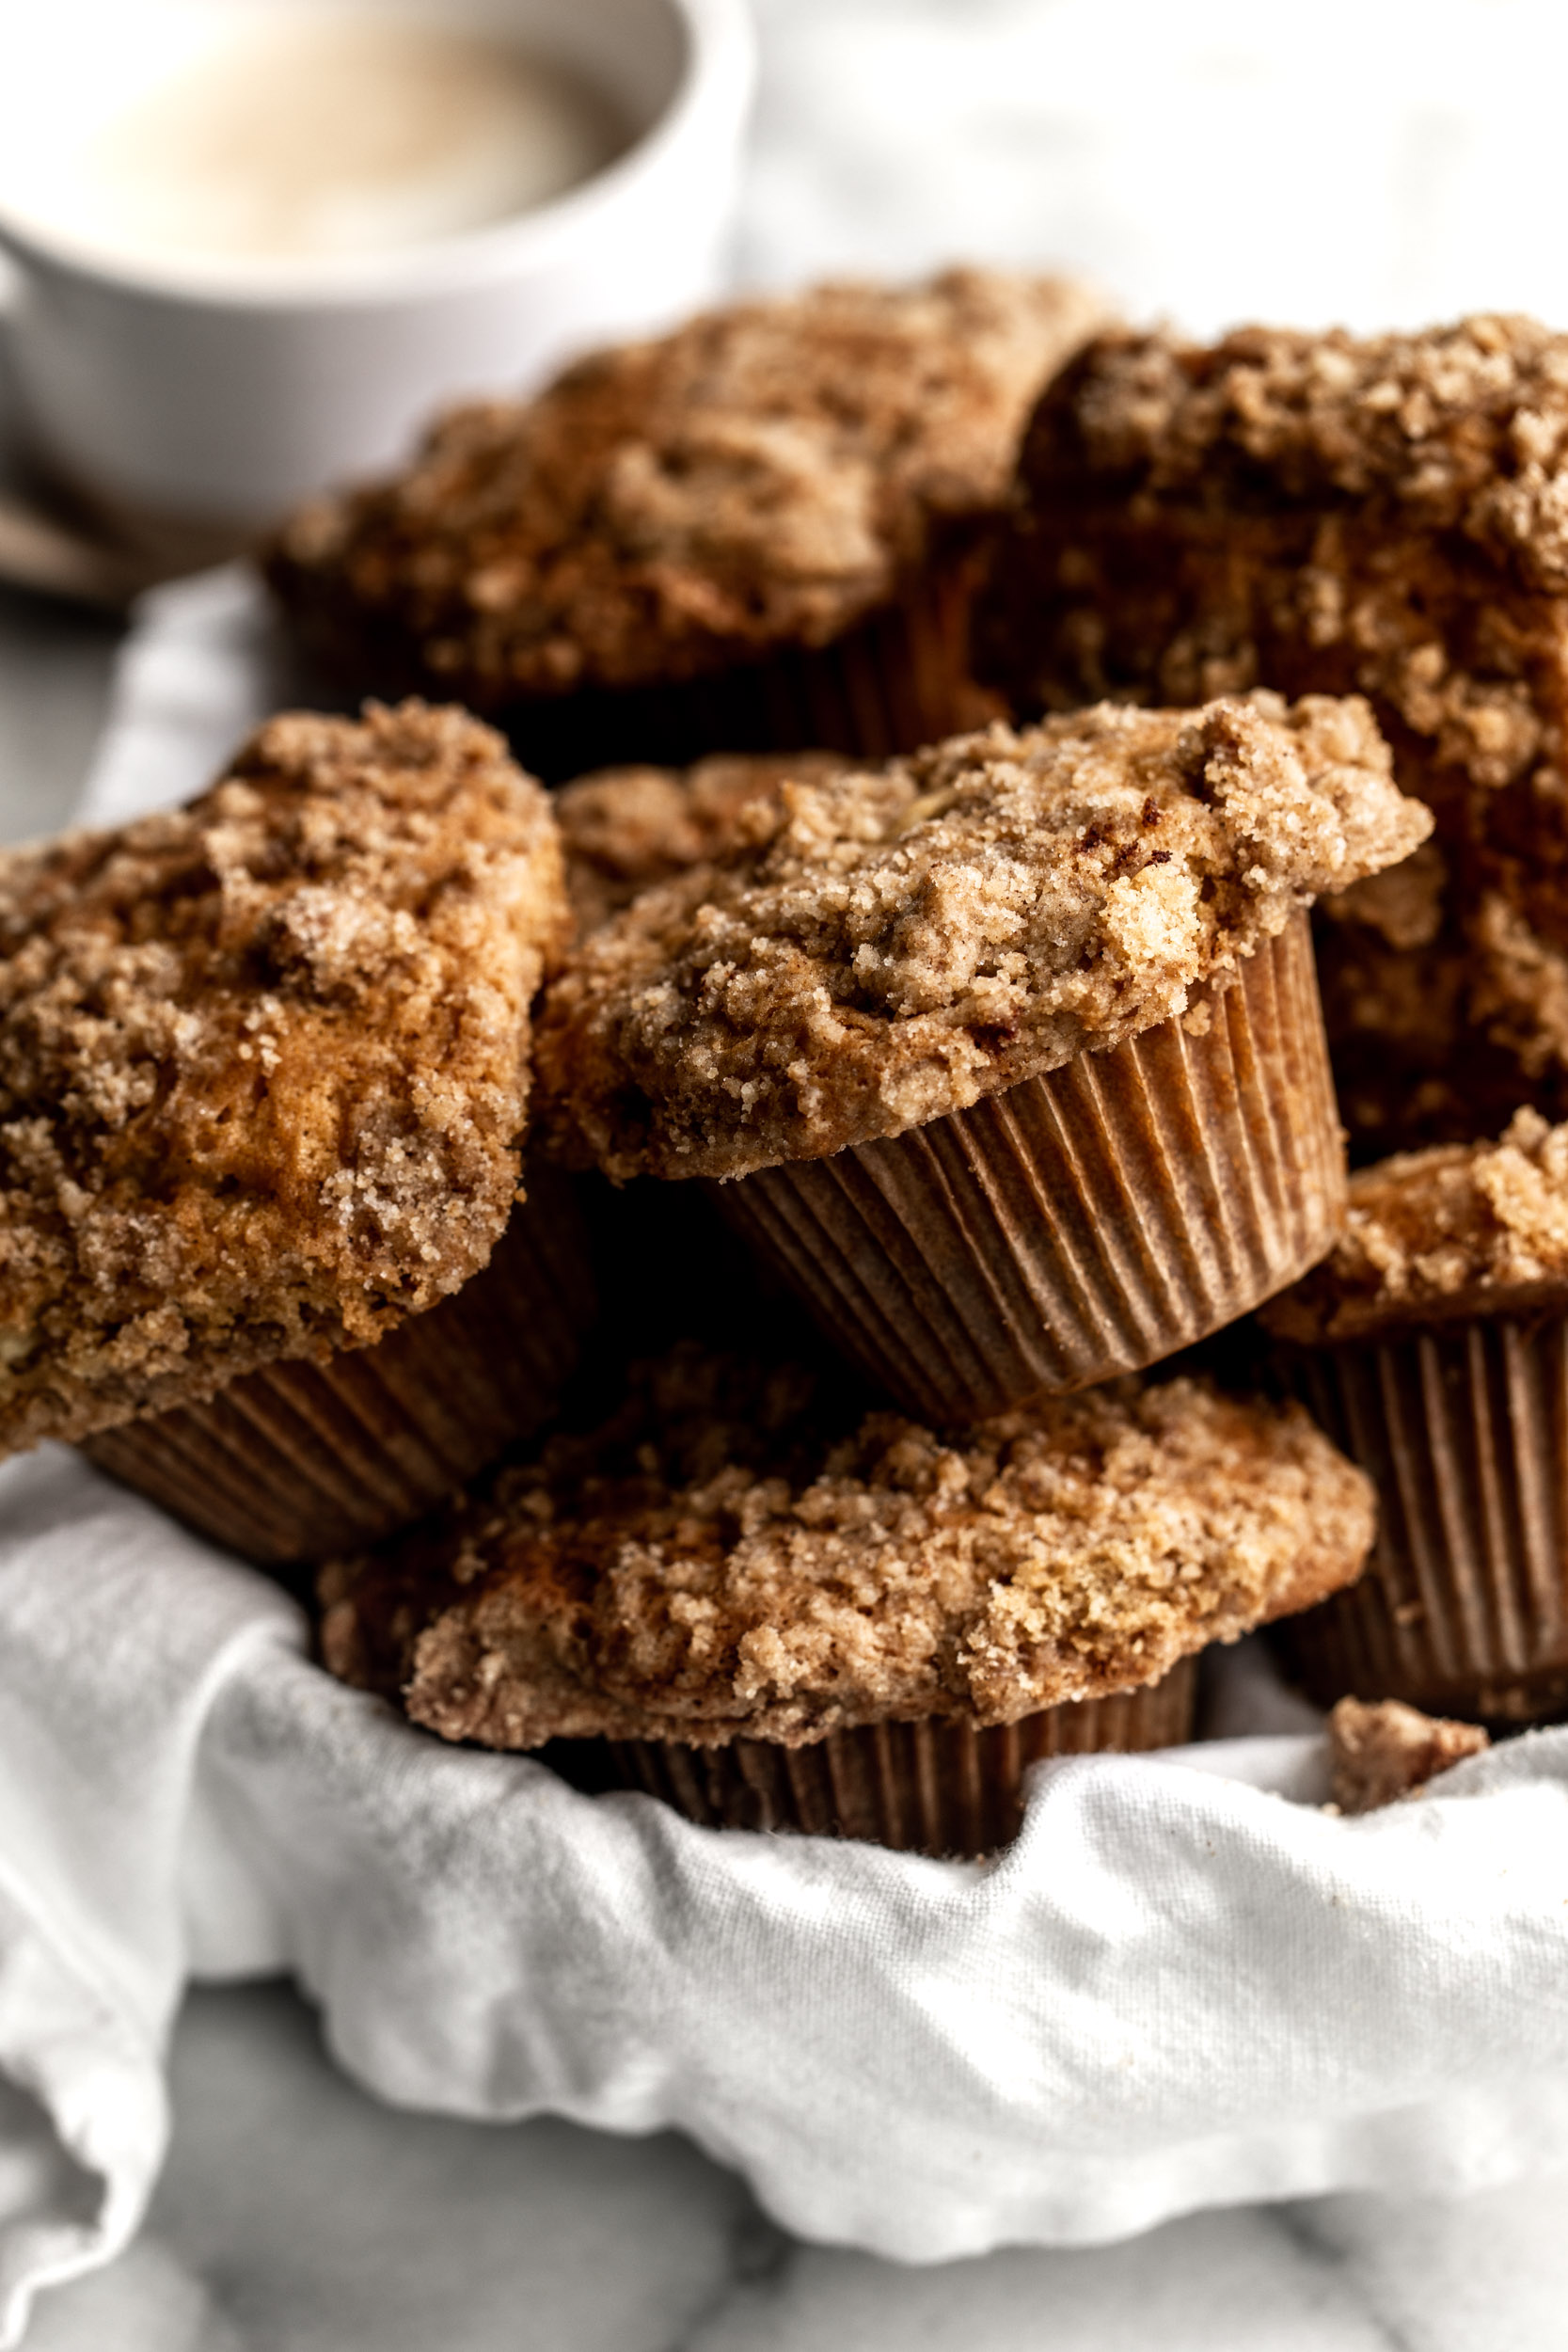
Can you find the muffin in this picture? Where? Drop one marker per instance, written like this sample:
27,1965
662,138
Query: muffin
263,1070
1434,1039
1432,1344
757,533
1321,513
623,829
779,1614
1009,1053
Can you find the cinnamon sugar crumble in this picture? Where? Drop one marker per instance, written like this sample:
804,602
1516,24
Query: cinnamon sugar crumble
718,1560
911,938
765,474
1438,1034
264,1062
625,829
1329,514
1458,1229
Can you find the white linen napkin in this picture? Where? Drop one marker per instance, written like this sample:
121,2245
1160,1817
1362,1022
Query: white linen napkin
1184,1984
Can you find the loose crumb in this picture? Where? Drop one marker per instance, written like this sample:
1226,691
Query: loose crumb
724,1558
1387,1751
264,1062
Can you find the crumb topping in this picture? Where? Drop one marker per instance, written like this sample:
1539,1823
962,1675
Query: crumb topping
1460,1229
1314,513
1462,428
264,1062
1328,514
1401,905
717,1561
626,828
1383,1751
911,938
764,474
1519,986
1439,1029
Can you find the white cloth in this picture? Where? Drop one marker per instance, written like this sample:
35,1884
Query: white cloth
1185,1984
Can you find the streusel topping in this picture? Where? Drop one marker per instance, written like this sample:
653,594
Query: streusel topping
717,1562
764,474
912,938
264,1061
625,829
1457,1230
1461,428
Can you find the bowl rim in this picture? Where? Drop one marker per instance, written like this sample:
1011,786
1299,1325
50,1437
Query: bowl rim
709,105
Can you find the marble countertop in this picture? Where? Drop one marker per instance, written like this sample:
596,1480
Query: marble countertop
296,2214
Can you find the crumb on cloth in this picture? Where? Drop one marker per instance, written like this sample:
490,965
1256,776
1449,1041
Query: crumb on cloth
1382,1751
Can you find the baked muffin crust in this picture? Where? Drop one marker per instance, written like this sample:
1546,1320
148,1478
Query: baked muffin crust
1437,1038
912,938
765,474
264,1062
718,1560
625,829
1459,1230
1324,514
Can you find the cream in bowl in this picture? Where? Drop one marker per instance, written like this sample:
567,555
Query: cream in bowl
309,136
247,246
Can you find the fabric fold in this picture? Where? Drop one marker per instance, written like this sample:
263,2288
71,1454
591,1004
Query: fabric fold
116,1632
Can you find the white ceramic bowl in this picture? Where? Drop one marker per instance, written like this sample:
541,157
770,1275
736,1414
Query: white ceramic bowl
194,391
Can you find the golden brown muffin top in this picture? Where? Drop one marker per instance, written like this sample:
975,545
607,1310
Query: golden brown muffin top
911,938
264,1062
718,1561
625,829
1462,427
765,474
1462,1229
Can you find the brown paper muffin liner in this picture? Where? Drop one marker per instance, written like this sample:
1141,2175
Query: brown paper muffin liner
1083,1223
897,680
1463,1609
301,1461
937,1787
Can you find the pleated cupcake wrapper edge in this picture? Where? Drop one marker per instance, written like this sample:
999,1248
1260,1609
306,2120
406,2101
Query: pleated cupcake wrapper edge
1464,1429
940,1787
898,679
300,1460
1081,1224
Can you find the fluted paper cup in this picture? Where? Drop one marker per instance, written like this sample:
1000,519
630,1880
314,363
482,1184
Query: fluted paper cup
937,1787
1464,1428
897,680
1081,1224
301,1460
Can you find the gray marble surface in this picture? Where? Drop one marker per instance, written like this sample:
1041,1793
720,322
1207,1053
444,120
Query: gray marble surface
55,664
297,2216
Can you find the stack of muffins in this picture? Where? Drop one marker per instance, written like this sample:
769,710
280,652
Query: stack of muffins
933,1053
1321,514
